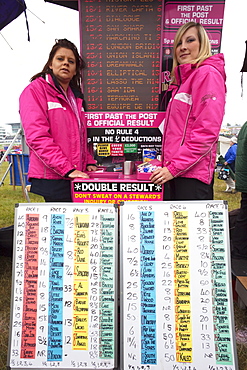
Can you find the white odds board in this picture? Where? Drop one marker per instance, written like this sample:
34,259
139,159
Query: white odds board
176,295
64,291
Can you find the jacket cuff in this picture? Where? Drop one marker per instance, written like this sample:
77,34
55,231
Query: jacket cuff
68,173
172,169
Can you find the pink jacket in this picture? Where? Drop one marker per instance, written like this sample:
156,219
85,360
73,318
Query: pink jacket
193,119
52,132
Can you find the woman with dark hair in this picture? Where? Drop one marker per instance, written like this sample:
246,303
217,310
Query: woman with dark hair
193,117
52,115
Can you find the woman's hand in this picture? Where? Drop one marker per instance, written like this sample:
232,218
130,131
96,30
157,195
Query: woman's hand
91,168
161,175
77,173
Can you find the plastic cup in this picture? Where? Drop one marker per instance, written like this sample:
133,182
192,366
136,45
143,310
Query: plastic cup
128,167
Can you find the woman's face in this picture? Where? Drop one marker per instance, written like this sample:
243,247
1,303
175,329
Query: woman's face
188,48
63,66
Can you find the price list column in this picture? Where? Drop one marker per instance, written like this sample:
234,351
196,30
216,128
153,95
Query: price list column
46,240
106,298
18,314
166,289
201,286
81,288
182,295
55,312
148,289
121,43
93,252
221,314
92,48
30,287
131,282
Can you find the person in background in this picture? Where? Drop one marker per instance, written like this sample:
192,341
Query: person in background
193,117
239,235
52,115
230,158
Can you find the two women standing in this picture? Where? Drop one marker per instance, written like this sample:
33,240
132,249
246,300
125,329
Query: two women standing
51,109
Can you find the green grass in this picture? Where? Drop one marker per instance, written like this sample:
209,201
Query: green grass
233,200
9,197
5,290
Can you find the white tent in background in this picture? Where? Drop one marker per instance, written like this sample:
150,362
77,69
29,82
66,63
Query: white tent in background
223,145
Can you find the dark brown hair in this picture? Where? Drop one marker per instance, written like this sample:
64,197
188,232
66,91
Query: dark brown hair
80,63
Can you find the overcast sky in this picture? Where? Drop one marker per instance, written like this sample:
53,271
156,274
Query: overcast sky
28,58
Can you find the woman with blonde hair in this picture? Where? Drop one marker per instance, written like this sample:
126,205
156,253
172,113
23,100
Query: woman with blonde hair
193,118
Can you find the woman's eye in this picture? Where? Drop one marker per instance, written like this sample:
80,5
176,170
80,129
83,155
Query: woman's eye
71,61
191,40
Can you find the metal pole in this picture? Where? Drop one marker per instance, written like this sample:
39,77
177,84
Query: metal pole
11,145
6,154
6,173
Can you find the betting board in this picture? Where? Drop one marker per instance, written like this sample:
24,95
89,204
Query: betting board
121,42
176,287
63,312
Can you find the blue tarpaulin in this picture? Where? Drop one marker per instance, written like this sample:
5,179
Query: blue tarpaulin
68,4
10,10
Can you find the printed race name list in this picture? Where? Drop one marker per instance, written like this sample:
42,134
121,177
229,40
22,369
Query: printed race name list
121,42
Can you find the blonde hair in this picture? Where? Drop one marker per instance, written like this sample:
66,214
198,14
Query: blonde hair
204,49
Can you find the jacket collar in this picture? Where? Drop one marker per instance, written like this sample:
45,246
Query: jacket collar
52,80
183,71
